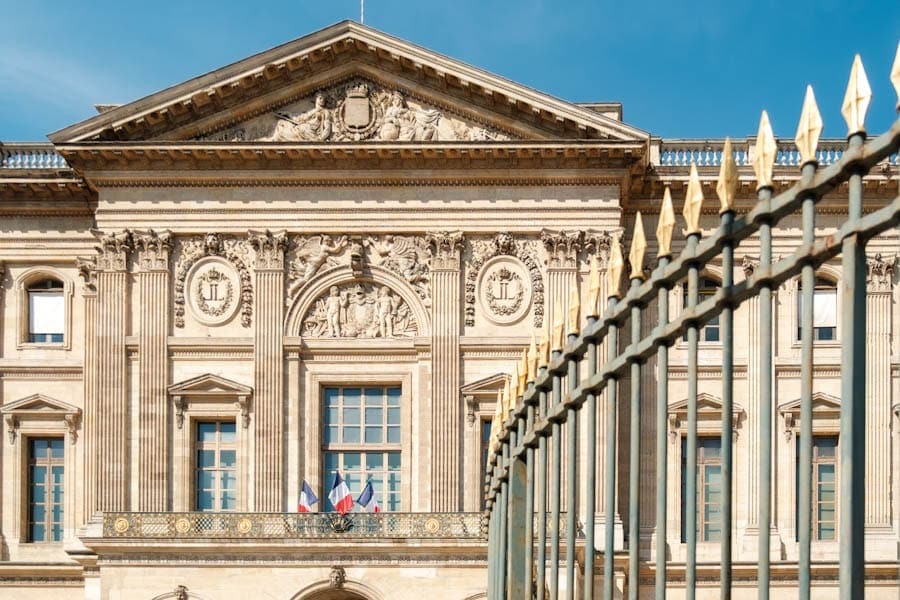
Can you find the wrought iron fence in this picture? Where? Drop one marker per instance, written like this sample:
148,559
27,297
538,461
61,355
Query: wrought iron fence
566,377
199,525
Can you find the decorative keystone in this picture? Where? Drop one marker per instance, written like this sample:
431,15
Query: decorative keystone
727,186
766,149
532,359
809,128
693,202
666,225
593,307
895,75
614,269
574,310
638,248
857,98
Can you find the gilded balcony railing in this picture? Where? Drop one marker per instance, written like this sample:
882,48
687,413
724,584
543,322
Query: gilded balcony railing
200,525
30,156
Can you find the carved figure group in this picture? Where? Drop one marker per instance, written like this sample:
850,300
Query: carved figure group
362,311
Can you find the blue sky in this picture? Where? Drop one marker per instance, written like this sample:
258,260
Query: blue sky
681,69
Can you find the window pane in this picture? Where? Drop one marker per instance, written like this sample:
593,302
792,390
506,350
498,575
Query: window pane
393,435
373,435
393,461
204,500
332,416
331,434
229,501
374,416
351,435
825,308
352,461
374,461
206,458
205,480
56,448
351,416
227,458
331,463
206,432
374,397
38,532
227,432
46,313
351,396
331,396
393,416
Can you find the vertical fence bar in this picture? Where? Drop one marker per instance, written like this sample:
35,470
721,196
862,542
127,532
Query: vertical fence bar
765,400
529,495
609,476
727,325
853,398
492,552
634,453
542,464
804,474
518,567
690,495
555,483
502,503
590,468
571,473
662,407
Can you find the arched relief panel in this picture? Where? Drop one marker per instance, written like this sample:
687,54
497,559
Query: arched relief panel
338,586
368,306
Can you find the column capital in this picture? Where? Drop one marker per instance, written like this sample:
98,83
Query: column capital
269,249
562,247
113,250
880,273
599,244
153,249
445,247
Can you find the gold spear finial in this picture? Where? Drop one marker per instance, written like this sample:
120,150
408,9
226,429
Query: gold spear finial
727,186
558,340
498,418
766,149
895,75
593,303
638,248
614,268
532,359
693,202
507,396
856,98
544,349
523,373
809,129
666,225
574,310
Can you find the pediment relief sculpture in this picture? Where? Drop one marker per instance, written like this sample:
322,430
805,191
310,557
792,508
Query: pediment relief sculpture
407,257
359,310
355,111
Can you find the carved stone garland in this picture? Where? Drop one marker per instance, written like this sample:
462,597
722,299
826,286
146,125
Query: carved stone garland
503,244
234,251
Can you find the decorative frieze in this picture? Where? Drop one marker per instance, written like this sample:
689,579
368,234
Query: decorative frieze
359,310
880,273
503,244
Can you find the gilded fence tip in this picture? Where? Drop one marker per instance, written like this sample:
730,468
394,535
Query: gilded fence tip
766,150
614,268
895,75
532,359
558,340
573,326
809,128
523,373
508,394
638,248
727,186
496,422
593,303
856,98
693,202
666,225
544,349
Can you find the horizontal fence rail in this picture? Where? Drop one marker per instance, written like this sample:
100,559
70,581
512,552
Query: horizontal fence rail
583,367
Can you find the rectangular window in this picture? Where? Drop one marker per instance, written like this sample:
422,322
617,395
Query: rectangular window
216,466
46,312
485,448
362,441
709,489
824,491
824,312
45,489
710,331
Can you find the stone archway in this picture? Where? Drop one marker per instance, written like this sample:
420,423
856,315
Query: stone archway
335,594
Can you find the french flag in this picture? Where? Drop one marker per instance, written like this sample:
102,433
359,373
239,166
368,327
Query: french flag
307,499
367,499
340,495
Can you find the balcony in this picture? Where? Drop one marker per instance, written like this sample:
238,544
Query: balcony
31,157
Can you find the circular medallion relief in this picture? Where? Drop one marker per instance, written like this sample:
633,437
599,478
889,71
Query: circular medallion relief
213,289
504,290
121,525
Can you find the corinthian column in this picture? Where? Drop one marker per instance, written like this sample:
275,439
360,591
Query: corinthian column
446,404
153,369
110,373
878,394
268,375
87,268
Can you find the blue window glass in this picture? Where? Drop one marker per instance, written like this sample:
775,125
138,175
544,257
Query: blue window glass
46,475
216,467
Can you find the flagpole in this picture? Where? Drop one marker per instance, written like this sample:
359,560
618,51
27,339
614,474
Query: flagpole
362,12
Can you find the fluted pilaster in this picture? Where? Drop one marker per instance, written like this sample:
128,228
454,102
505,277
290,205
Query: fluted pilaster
447,413
268,425
90,421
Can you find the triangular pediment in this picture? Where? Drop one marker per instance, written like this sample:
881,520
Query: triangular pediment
821,402
374,87
209,385
487,386
38,404
706,403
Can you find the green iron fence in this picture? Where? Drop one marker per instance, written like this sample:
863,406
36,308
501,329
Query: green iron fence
566,378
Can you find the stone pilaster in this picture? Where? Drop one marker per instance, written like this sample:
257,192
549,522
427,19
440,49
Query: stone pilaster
749,545
446,405
879,284
268,375
108,367
87,268
153,251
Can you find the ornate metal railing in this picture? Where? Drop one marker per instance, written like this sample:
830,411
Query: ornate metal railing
560,385
30,156
199,525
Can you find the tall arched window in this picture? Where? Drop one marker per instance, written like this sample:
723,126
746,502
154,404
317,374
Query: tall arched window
824,310
46,312
708,287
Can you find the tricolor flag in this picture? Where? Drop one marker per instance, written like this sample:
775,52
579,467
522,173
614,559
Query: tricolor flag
367,499
340,495
307,499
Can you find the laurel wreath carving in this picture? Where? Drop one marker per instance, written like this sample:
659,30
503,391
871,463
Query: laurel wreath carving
499,309
213,275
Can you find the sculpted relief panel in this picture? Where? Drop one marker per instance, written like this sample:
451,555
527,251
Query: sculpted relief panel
359,310
506,288
355,111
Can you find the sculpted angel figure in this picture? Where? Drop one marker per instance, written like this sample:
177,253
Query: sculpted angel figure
315,125
310,258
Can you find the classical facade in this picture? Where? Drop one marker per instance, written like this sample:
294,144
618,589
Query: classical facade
327,257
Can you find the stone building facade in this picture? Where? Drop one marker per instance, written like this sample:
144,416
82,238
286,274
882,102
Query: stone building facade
327,257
